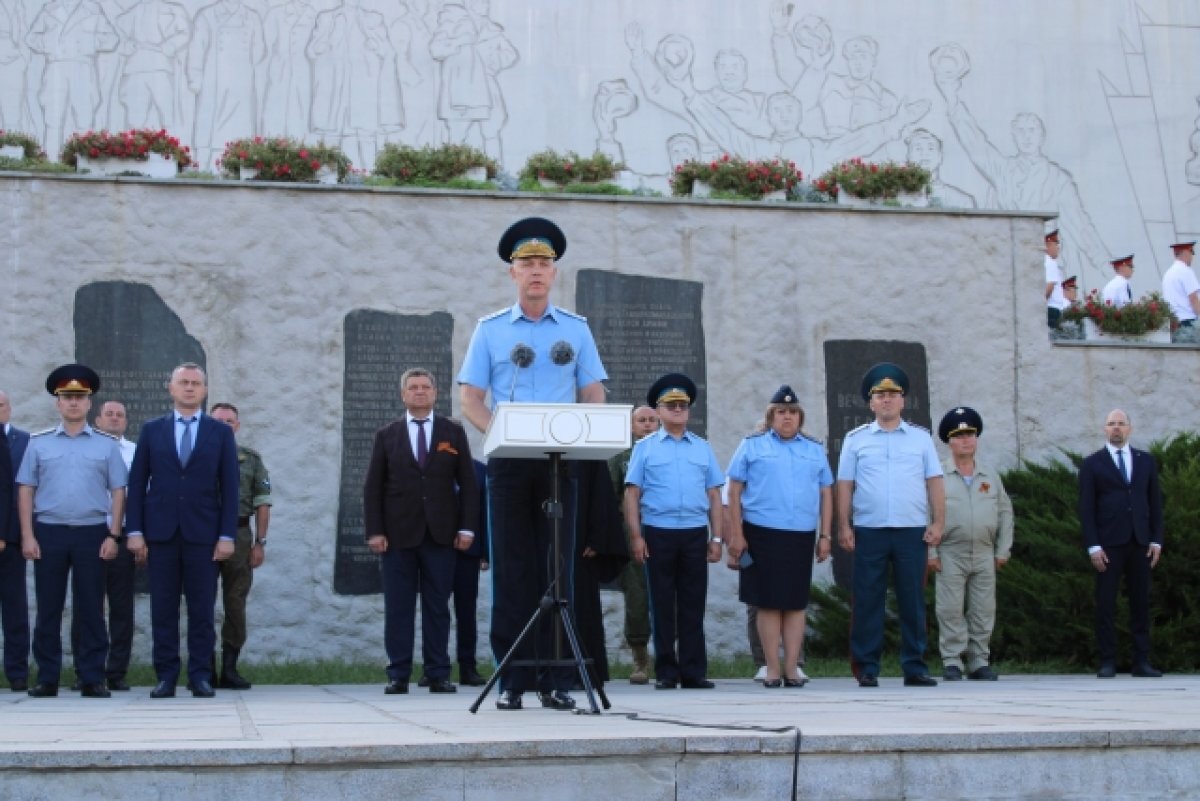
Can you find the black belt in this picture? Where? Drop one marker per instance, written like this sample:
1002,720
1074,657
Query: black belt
243,521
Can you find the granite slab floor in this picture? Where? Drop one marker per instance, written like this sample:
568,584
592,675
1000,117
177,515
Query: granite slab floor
1021,737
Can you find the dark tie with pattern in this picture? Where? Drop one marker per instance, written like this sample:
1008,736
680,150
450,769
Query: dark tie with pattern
1121,465
422,445
185,442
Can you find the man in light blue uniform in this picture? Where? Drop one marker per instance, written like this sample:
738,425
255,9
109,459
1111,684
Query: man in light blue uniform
72,496
531,351
891,470
672,496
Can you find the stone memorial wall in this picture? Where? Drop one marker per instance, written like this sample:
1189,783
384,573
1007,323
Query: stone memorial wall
306,303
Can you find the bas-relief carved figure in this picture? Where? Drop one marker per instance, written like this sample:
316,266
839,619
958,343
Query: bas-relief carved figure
223,59
154,35
614,100
1192,168
925,150
1026,180
415,71
472,51
14,61
70,34
355,99
287,90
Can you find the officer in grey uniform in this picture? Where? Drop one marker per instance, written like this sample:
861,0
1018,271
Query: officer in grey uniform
71,485
977,543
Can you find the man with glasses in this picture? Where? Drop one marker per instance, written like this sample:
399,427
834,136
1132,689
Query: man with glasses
672,503
891,506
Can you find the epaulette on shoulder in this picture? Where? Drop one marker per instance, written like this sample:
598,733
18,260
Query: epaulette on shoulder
249,450
811,438
43,433
920,427
570,313
106,434
494,314
754,434
863,427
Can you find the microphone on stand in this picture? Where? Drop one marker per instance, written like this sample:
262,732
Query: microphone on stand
562,354
522,356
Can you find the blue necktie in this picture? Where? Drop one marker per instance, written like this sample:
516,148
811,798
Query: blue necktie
1121,465
185,442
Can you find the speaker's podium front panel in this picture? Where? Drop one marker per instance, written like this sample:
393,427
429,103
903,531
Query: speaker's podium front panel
576,430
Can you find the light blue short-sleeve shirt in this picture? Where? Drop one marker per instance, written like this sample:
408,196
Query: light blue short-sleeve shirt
488,364
674,476
73,475
783,480
889,470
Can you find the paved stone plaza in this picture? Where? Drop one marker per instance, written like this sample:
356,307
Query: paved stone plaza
1022,737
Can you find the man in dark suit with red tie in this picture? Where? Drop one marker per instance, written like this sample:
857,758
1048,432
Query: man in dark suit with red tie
183,505
420,503
1121,511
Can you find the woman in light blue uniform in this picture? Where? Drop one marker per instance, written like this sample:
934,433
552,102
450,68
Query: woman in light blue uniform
781,509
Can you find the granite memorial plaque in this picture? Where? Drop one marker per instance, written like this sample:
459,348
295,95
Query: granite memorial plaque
846,361
126,333
131,337
645,327
379,346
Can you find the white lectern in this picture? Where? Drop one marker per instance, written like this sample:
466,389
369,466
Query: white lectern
556,431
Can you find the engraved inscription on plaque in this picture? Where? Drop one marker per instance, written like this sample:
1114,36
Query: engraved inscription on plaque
846,361
645,327
126,333
379,346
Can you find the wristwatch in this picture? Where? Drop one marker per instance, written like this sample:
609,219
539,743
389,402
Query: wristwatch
717,540
261,541
113,537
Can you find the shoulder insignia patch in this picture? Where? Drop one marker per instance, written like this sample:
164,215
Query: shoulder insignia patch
43,433
861,428
570,313
495,314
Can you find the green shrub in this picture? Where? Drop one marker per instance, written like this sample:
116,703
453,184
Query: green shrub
430,166
569,167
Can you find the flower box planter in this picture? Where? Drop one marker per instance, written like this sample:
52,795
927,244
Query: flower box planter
701,189
778,196
478,174
1092,332
916,200
247,173
155,165
12,152
328,174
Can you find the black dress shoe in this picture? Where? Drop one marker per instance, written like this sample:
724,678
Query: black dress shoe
1144,670
97,690
1107,670
922,680
202,689
396,687
471,678
509,700
868,681
984,673
118,685
441,686
164,689
665,684
44,690
423,681
559,699
18,685
952,673
696,684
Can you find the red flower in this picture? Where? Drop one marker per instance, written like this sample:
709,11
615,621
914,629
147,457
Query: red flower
316,165
303,154
724,157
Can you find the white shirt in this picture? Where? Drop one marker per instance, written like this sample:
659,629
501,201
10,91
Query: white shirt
413,428
1126,455
1179,281
1054,276
1117,291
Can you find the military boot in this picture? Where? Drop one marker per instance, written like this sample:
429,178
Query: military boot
230,679
641,666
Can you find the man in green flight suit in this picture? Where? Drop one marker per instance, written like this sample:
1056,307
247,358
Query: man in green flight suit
237,572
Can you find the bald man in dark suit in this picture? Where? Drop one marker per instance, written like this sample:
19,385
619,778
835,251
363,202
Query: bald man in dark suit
1121,511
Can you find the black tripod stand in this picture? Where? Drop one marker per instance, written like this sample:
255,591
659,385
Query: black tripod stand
553,599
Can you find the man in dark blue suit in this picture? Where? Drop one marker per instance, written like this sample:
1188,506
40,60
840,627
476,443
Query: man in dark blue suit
14,598
183,502
1120,509
420,503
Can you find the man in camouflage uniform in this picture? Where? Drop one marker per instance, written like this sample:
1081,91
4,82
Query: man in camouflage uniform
237,572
